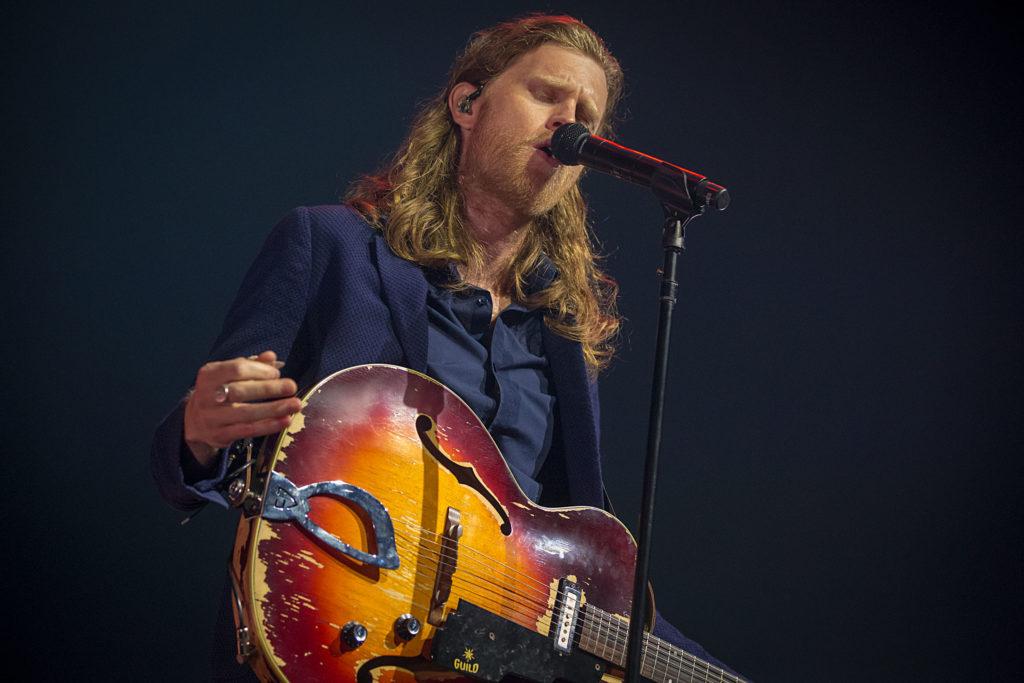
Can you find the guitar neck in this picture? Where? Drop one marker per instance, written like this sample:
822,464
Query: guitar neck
605,635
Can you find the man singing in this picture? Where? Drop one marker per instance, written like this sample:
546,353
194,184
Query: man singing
468,258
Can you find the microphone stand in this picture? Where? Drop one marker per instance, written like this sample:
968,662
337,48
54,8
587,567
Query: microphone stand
677,215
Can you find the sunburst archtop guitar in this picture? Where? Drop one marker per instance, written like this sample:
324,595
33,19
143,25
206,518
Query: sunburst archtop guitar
383,538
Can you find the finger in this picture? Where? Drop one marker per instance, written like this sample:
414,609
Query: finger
267,356
270,358
253,412
216,373
261,389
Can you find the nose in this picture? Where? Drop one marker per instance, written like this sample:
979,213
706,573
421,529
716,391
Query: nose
564,114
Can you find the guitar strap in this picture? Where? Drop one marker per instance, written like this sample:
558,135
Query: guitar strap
608,501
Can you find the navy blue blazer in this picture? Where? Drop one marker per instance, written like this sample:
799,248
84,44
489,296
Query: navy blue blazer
327,293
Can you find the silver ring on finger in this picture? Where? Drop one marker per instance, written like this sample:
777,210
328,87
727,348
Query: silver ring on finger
221,393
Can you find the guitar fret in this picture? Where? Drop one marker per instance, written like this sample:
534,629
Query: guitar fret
671,672
662,659
647,645
589,630
675,661
612,637
643,657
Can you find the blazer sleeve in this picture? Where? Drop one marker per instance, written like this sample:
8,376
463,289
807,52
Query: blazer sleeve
666,631
267,313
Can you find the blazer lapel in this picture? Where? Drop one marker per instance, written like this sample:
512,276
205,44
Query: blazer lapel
577,400
404,290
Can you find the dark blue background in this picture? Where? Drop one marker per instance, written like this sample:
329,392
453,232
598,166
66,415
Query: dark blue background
841,474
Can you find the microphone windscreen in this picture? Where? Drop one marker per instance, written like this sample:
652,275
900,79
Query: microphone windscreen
567,142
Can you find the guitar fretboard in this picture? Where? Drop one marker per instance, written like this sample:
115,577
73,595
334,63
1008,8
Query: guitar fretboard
605,635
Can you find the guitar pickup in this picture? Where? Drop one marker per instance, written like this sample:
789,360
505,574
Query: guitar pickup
446,565
566,614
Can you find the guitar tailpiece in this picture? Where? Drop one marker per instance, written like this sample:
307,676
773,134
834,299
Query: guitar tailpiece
239,482
244,647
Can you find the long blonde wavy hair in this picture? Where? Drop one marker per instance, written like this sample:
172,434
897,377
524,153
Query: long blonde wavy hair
416,203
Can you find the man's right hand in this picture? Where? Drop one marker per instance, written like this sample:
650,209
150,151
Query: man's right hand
231,400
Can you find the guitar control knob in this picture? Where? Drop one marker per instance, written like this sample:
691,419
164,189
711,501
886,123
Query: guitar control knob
407,627
353,634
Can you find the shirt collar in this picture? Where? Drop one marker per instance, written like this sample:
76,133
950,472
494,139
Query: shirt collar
538,279
446,274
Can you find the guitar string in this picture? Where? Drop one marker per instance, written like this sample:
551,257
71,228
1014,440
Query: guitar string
662,659
603,618
655,662
540,599
686,658
531,616
614,626
540,591
621,632
488,599
478,590
661,663
541,586
536,602
540,602
418,605
411,524
487,562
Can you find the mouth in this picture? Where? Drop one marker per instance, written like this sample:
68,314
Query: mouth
545,147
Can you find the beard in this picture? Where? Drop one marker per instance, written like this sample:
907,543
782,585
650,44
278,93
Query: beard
507,168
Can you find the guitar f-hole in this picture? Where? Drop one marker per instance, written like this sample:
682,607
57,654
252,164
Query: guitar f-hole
464,474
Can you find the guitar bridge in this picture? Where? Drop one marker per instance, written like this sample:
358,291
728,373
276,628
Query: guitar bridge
446,565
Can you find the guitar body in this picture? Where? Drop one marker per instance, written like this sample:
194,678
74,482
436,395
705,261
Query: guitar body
420,452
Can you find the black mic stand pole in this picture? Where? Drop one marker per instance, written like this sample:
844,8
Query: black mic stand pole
676,219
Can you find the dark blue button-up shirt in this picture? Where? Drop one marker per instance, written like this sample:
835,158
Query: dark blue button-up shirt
500,371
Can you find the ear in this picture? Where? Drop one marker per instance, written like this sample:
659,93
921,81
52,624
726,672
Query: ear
456,104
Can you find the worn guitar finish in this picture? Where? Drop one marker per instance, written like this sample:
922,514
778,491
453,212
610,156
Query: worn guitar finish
356,496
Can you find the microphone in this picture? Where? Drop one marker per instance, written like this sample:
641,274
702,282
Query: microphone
573,145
